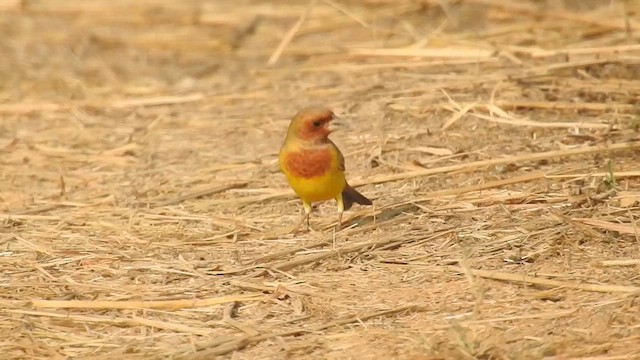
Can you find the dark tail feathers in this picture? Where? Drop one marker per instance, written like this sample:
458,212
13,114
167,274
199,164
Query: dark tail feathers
351,195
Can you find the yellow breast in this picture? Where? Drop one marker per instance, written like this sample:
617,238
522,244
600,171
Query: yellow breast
314,174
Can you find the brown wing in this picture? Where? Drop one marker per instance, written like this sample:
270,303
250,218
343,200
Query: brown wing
349,194
341,166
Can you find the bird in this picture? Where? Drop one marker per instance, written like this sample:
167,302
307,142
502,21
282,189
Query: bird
313,165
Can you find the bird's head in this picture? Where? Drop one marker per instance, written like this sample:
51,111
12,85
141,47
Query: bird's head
313,124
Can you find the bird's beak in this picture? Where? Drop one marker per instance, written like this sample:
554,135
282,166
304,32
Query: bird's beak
338,124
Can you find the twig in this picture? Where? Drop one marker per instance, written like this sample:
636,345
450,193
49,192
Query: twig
290,34
277,287
158,304
133,321
456,53
617,174
565,105
308,259
287,252
521,278
539,124
201,193
24,108
621,228
622,262
505,160
37,210
521,7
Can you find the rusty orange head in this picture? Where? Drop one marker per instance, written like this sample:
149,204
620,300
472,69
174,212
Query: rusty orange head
313,124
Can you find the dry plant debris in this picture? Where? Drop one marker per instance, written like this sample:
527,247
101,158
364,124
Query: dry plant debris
142,214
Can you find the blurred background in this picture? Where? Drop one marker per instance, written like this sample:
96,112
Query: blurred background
138,161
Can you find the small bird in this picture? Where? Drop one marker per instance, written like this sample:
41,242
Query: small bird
313,164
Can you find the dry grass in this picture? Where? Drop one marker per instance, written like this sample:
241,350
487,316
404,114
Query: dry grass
142,214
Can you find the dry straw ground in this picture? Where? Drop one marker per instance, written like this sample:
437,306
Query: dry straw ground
143,215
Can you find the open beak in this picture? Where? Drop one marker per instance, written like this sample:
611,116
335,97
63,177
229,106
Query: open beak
338,124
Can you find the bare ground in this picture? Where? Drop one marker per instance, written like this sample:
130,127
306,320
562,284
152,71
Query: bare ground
143,215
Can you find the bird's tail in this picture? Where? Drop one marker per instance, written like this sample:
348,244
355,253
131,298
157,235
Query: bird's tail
351,195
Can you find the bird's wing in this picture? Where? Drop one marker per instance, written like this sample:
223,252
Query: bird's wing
341,164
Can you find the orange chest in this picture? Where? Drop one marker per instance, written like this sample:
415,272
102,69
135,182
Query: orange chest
306,163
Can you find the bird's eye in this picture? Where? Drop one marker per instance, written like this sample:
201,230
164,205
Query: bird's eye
317,123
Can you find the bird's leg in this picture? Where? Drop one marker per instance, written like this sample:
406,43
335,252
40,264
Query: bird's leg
307,212
305,216
340,211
